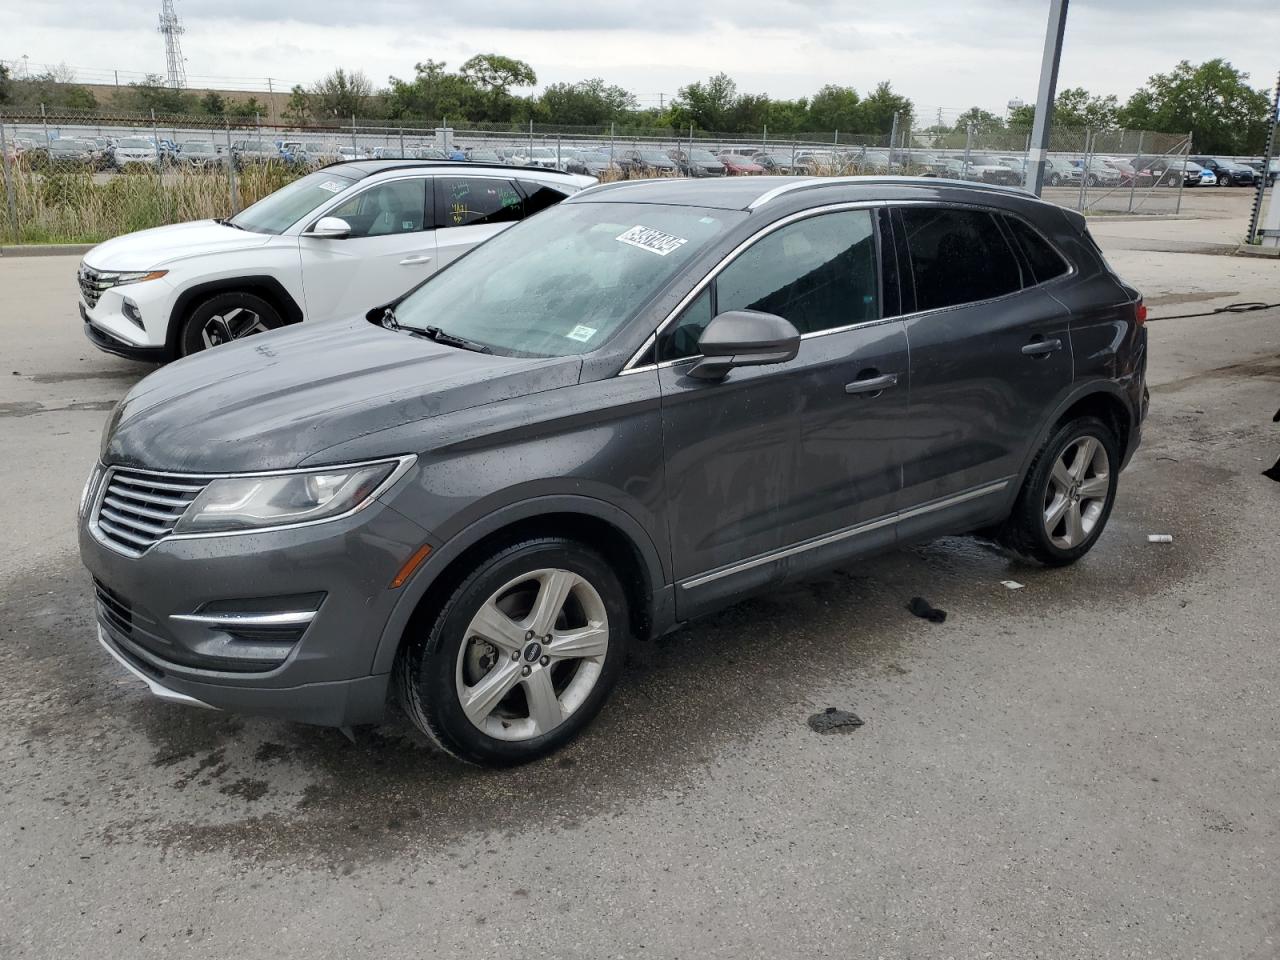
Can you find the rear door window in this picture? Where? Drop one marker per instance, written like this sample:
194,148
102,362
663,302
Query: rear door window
539,196
473,201
958,256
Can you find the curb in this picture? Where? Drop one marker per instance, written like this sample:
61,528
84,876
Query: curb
47,250
1261,253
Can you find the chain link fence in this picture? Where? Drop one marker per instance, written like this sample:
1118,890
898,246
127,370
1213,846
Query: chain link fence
74,177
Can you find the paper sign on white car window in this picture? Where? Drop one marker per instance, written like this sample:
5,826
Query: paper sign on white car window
655,241
581,334
333,186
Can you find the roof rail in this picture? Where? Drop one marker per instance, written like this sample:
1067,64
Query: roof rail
408,162
812,182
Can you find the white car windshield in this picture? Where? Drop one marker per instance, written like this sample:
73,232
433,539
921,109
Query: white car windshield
565,281
134,143
277,212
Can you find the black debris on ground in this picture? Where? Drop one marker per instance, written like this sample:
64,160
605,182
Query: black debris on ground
923,609
832,720
1273,472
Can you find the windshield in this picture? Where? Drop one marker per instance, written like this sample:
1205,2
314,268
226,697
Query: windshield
278,211
653,156
192,146
135,143
565,281
703,156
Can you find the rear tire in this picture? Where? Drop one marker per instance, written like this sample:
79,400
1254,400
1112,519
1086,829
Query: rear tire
1066,499
226,317
520,657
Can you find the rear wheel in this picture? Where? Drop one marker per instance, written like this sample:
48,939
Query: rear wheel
226,317
521,656
1067,496
1054,179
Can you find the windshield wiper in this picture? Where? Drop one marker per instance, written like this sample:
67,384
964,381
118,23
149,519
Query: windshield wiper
453,340
226,222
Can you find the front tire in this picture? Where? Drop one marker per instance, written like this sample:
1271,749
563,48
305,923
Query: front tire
226,317
521,655
1068,494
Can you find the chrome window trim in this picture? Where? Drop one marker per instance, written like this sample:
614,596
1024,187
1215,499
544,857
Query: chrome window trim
724,262
856,530
403,463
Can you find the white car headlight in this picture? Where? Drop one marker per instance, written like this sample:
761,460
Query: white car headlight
231,504
116,278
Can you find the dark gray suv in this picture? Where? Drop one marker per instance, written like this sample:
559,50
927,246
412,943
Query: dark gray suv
623,413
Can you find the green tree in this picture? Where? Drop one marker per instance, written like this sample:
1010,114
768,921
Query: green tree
298,109
707,106
783,116
493,75
1074,107
434,94
878,109
213,104
5,87
248,108
341,94
982,121
586,103
835,108
1212,101
151,94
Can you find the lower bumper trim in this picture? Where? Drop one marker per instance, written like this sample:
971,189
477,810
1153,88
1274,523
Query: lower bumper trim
157,689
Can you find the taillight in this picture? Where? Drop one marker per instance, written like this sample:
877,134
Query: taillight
1140,313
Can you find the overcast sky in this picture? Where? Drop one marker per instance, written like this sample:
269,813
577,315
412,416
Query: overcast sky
948,54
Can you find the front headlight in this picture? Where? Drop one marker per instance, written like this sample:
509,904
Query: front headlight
90,483
231,504
116,279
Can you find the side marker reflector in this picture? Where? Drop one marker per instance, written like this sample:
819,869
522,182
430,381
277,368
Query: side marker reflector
410,565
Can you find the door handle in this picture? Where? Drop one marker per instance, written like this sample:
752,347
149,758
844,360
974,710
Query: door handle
872,384
421,258
1041,348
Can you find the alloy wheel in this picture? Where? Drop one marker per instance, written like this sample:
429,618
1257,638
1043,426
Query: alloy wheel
235,324
532,654
1077,492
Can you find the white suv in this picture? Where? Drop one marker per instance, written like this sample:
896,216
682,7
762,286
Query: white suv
335,243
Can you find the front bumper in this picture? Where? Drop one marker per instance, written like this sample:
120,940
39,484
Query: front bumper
114,332
108,343
322,676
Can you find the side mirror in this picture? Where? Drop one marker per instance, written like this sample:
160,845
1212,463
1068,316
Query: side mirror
329,228
744,338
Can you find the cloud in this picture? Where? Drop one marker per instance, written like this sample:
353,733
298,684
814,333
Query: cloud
943,54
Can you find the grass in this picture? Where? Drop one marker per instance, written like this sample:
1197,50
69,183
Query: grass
74,207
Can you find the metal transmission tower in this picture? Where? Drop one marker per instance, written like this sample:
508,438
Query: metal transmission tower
172,30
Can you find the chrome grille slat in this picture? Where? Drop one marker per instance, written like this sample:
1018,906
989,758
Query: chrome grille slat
136,481
123,520
137,509
123,534
132,507
152,498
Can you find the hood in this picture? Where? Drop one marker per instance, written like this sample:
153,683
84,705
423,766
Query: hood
272,401
159,245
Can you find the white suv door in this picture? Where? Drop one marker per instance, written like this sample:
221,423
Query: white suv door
470,210
391,248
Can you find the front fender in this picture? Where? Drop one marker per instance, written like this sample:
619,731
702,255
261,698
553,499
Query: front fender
445,553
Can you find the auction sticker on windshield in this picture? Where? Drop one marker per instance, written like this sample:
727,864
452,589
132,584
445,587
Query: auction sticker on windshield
333,186
655,241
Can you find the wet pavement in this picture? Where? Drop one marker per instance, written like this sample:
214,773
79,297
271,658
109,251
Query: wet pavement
1084,767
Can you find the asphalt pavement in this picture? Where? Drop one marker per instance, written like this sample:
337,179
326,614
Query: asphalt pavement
1084,767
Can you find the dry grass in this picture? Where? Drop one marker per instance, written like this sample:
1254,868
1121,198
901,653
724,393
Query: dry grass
77,208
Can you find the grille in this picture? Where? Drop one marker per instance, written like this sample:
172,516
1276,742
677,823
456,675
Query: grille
139,509
92,283
115,609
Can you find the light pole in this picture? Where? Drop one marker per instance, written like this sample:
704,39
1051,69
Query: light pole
1043,125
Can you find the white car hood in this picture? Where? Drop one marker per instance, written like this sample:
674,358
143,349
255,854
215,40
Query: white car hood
159,245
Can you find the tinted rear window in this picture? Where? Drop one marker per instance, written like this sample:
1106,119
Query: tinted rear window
1046,263
958,256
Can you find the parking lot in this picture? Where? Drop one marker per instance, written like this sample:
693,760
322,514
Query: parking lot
1083,767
